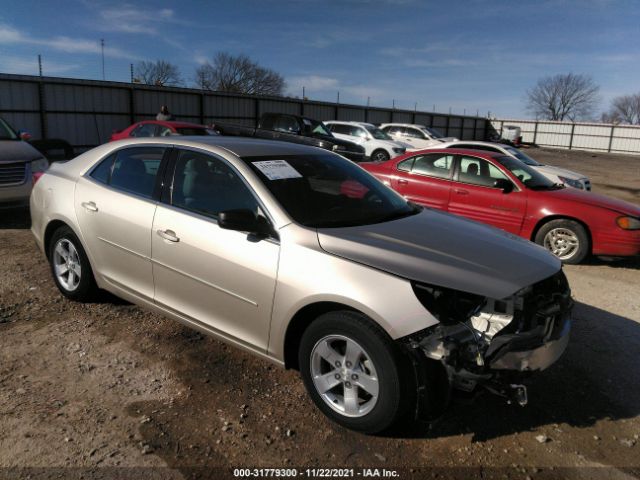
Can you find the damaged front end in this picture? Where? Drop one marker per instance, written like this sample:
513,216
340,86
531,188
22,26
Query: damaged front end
491,343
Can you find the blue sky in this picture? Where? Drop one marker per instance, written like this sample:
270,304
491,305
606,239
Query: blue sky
473,55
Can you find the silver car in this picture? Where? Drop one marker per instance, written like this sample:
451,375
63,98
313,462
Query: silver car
299,256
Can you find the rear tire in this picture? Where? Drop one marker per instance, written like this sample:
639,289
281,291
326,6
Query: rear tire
566,239
70,266
380,156
355,374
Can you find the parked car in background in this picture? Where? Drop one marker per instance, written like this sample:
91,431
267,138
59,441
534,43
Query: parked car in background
295,129
21,166
555,174
502,191
299,256
378,146
158,128
417,136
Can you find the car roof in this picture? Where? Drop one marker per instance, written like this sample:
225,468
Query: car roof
415,125
174,124
458,151
240,146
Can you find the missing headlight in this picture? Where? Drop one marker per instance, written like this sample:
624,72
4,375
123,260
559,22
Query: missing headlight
447,305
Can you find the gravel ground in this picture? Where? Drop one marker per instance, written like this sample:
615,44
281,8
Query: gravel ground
107,385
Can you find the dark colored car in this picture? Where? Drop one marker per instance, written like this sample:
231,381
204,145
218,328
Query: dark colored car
502,191
295,129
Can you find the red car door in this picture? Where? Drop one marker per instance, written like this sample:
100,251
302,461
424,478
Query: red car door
473,195
425,179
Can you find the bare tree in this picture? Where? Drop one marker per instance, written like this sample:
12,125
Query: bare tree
238,74
563,97
626,108
160,73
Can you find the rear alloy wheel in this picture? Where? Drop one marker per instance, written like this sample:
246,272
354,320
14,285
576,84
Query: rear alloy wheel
70,266
566,239
355,374
380,156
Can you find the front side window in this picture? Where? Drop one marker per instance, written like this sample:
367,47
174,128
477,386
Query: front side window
358,132
208,186
132,170
324,190
393,130
527,175
414,133
477,171
434,165
377,133
144,130
286,124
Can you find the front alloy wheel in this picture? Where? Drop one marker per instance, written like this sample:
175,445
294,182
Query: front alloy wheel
344,375
355,373
566,239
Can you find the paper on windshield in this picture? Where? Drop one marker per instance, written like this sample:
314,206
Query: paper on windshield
277,169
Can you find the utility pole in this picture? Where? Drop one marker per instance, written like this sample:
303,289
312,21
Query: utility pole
40,65
368,101
303,95
393,103
131,67
338,99
415,107
102,48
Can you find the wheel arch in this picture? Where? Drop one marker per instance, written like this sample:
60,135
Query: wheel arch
545,220
50,229
299,323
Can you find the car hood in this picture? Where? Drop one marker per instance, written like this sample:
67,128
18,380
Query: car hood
440,249
595,200
561,172
17,151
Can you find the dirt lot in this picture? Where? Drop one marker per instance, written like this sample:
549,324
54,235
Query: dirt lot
108,385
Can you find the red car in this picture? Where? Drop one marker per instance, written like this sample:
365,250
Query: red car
504,192
157,128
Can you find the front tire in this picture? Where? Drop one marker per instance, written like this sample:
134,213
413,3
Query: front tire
566,239
355,374
380,156
70,266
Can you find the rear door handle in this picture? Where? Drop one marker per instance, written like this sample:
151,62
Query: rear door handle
462,192
168,235
402,181
91,206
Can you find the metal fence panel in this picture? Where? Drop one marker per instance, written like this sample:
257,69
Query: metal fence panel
320,112
16,95
351,114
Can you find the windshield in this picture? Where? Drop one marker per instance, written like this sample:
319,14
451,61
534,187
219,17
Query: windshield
377,133
6,132
324,190
318,127
527,175
433,132
523,157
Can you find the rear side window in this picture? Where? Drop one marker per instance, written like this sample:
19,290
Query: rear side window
414,133
132,170
102,173
339,128
435,165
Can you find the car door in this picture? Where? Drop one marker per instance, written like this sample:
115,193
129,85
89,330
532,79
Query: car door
115,203
221,279
425,179
474,196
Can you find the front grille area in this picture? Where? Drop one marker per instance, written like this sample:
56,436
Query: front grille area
13,173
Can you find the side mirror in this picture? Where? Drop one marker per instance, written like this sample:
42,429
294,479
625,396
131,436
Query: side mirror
244,220
503,184
26,136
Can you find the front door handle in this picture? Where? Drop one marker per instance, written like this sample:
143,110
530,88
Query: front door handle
91,206
168,235
402,181
461,192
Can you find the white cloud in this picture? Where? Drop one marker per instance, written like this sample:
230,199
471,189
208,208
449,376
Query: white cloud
128,19
312,82
9,35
